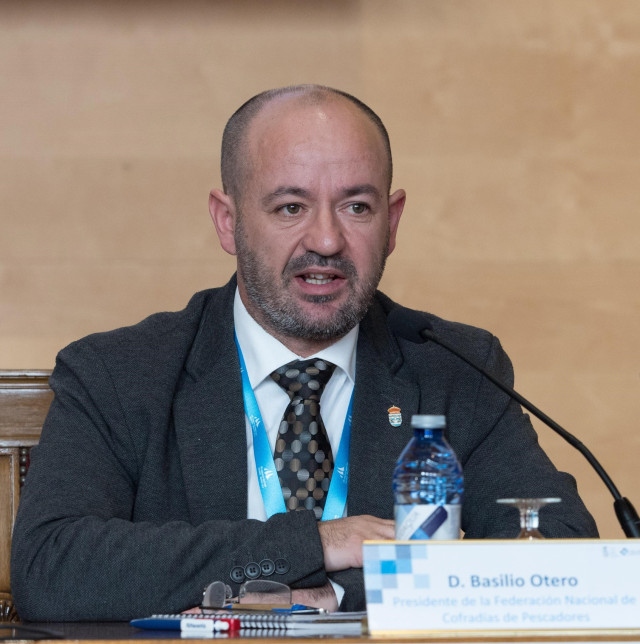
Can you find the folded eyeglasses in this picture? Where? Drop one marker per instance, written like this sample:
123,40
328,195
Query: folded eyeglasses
252,595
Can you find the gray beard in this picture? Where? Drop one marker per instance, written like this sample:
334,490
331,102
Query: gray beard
280,312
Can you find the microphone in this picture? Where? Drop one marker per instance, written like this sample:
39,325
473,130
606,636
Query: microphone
411,325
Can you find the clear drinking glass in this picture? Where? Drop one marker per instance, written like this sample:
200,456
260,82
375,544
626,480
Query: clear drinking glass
529,515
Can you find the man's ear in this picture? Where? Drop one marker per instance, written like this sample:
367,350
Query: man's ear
396,206
223,214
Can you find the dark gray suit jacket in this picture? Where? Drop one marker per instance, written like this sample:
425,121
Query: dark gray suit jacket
136,496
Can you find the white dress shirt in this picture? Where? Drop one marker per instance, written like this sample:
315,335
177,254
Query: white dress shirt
263,354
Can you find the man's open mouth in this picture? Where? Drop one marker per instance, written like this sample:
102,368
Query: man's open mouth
318,278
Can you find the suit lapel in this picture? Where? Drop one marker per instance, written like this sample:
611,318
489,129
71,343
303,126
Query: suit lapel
375,443
209,419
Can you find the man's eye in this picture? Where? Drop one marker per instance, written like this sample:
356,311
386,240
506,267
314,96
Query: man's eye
291,209
359,208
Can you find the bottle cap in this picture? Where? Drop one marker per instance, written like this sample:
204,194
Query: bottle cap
428,422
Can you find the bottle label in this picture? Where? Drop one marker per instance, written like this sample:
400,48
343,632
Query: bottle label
427,521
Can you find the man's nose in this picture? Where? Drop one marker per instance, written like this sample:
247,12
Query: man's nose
325,234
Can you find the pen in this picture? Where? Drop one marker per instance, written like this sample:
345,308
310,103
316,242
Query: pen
188,623
288,609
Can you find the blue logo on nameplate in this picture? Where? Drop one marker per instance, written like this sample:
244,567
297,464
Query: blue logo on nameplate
393,565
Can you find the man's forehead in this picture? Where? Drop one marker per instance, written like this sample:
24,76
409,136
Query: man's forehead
316,167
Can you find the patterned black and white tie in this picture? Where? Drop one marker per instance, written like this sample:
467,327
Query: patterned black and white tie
302,454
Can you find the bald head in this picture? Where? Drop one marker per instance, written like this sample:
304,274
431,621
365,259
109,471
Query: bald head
235,158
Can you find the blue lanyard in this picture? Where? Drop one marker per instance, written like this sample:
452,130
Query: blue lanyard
267,474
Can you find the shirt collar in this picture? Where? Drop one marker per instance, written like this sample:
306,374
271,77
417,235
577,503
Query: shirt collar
263,354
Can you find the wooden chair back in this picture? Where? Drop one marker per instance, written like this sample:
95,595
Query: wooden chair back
25,397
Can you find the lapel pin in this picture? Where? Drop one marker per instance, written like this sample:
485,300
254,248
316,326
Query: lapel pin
395,416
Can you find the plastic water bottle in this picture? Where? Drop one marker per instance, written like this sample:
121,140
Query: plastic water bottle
428,484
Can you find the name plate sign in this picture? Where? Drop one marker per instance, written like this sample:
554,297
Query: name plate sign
547,585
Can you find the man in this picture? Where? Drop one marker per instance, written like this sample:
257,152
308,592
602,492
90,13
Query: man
149,481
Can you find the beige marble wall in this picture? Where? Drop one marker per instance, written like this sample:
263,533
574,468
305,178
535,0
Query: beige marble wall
516,132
